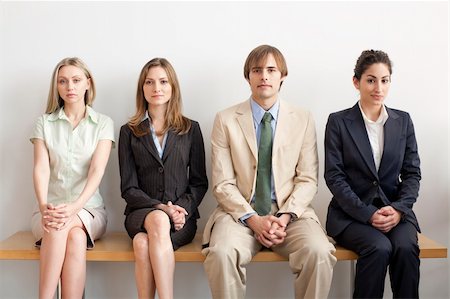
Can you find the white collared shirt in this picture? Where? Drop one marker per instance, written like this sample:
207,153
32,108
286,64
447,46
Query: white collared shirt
375,132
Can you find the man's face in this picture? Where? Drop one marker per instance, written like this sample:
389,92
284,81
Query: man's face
265,81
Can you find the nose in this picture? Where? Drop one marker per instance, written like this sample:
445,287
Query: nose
264,74
157,87
378,86
70,85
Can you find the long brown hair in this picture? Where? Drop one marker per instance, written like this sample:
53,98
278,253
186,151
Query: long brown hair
54,101
174,119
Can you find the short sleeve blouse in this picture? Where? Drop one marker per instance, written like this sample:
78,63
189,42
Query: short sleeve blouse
70,152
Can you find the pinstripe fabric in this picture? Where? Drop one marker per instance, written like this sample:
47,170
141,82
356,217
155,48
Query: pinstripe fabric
147,180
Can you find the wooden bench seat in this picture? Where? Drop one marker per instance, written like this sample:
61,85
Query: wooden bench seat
117,247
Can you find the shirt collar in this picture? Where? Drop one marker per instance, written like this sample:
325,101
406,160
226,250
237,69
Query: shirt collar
258,111
59,114
381,119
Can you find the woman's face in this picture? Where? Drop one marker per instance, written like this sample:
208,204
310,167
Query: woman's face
157,88
72,84
374,84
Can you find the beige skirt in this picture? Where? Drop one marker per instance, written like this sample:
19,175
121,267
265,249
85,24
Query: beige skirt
93,219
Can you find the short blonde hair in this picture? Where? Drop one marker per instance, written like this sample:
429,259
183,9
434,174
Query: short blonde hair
55,101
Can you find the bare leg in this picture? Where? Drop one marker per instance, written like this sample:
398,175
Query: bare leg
73,275
160,251
143,272
52,255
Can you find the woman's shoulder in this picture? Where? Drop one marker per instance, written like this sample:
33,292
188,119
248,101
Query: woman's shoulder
100,117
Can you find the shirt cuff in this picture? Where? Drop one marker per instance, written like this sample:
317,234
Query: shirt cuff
245,217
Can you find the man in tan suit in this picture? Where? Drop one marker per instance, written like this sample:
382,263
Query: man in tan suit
238,229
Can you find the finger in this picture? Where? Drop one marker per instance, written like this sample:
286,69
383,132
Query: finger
265,242
181,209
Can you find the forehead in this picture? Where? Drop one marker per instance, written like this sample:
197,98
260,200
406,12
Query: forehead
156,72
377,70
264,62
70,71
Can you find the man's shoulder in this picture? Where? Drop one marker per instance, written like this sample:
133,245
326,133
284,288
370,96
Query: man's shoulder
295,109
238,108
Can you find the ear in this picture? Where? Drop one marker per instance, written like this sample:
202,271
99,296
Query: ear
88,83
356,83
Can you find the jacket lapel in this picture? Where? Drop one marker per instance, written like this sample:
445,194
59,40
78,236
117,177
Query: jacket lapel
147,141
245,120
170,143
392,131
355,126
283,131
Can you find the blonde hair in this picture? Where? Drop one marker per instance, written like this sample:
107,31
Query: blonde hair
55,101
174,119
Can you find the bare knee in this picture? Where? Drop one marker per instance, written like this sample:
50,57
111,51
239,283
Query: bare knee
140,246
157,224
76,243
77,236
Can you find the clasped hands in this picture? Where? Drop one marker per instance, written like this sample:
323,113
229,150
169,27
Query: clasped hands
57,217
269,230
176,213
385,219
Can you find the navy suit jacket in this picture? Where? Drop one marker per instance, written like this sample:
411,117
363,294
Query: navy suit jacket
180,176
351,175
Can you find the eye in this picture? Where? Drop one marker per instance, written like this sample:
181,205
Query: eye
385,81
148,82
62,81
76,80
272,70
255,71
164,82
370,81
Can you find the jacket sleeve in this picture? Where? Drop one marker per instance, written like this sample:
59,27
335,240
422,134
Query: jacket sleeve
129,185
198,181
410,174
336,175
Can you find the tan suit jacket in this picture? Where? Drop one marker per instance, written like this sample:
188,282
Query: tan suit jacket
235,156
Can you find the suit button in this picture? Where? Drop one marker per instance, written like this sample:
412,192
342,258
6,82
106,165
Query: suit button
375,183
161,170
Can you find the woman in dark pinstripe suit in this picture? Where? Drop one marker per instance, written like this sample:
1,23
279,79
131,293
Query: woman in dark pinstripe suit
163,177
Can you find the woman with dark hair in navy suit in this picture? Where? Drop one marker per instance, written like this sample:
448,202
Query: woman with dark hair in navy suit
372,168
163,178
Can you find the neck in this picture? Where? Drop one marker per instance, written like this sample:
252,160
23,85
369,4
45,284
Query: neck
371,111
157,113
266,104
75,111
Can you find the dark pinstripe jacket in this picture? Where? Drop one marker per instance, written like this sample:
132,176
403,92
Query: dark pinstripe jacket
147,180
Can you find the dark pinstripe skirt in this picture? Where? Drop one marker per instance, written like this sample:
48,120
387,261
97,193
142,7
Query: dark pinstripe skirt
134,224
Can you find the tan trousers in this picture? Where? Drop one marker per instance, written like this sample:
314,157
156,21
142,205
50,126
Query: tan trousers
232,246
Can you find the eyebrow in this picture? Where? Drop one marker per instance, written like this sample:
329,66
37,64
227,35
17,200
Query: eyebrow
264,67
149,78
387,76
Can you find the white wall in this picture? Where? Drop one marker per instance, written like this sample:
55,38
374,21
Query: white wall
207,43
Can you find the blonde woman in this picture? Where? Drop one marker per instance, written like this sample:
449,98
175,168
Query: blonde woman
72,143
163,177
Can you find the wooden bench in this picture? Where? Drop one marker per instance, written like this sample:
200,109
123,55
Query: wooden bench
117,247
